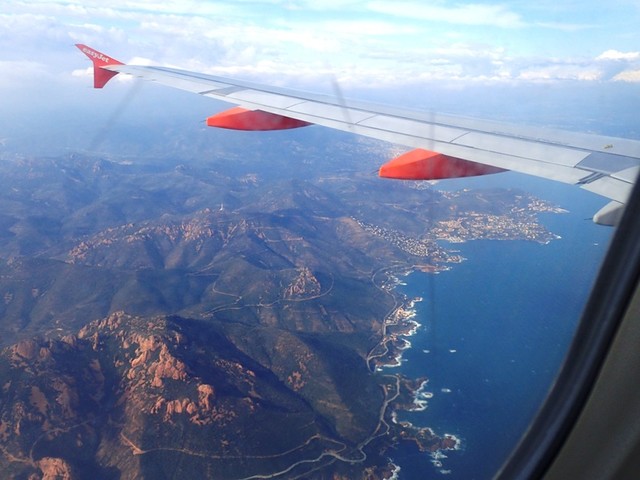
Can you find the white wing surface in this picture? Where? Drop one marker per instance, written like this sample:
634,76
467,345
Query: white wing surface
607,166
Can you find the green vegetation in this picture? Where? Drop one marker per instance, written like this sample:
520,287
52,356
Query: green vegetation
161,320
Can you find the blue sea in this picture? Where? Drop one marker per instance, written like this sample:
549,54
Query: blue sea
495,330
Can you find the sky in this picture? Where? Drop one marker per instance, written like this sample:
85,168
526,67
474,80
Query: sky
364,41
415,48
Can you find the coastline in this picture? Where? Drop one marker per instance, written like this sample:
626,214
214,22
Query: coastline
399,326
450,350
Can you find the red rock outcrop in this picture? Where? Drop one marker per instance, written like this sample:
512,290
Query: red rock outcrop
55,469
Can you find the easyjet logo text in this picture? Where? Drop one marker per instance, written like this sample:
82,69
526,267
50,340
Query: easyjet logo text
96,55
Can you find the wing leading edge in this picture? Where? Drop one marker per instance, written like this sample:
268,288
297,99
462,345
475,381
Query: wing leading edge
446,146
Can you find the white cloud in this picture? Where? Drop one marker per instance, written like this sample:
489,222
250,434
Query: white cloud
23,71
366,27
123,8
495,15
366,41
554,73
566,27
324,5
616,55
619,66
83,72
630,76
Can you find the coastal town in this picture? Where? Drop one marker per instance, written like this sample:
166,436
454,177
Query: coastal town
520,222
419,247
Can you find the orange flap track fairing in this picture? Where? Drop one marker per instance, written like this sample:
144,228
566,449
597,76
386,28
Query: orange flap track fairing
239,118
422,164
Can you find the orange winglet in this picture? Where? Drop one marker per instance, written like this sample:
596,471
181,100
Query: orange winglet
239,118
422,164
100,75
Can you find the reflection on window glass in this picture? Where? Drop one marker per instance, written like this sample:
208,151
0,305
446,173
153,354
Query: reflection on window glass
182,302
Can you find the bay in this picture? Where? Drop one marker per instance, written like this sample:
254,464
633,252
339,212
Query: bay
495,330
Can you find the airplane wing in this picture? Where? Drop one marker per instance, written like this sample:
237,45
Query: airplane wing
445,146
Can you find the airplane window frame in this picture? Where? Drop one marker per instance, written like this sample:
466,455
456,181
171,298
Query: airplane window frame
602,317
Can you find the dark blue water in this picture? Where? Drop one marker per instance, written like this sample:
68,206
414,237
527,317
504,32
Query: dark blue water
494,332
